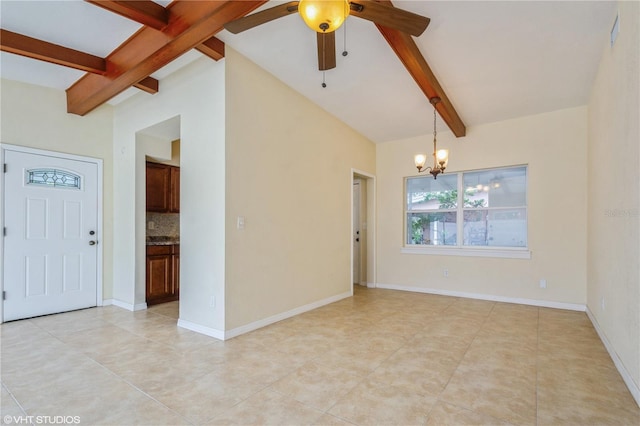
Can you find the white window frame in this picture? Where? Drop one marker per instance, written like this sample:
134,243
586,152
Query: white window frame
460,249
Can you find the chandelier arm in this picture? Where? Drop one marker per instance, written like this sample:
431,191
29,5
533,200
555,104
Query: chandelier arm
425,169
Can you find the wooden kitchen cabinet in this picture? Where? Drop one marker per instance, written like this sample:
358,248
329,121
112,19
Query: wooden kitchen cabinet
163,273
174,190
158,187
163,188
175,265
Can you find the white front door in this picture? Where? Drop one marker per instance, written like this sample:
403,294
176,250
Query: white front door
50,244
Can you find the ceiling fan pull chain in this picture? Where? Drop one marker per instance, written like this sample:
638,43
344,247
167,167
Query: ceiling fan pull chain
324,58
344,50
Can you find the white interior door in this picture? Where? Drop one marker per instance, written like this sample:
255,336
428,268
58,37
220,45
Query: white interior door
50,243
356,232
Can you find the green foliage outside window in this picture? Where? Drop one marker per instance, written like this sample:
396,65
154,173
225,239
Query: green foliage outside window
420,225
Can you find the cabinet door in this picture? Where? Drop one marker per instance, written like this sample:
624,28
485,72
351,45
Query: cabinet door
159,278
176,274
174,195
158,187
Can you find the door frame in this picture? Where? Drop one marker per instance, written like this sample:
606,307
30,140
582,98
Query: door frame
370,181
99,163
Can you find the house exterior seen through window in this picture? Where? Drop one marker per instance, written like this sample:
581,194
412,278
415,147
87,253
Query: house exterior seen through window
468,209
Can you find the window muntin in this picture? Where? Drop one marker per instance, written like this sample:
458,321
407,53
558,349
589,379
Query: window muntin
468,209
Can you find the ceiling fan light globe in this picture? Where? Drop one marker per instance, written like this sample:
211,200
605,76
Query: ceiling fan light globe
331,13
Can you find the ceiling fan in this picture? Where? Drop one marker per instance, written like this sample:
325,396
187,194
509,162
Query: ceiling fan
325,16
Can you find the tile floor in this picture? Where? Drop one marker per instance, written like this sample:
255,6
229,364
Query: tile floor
380,358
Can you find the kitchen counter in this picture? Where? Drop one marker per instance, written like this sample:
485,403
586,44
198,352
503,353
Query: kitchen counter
162,240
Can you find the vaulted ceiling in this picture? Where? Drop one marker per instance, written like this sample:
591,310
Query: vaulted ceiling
489,61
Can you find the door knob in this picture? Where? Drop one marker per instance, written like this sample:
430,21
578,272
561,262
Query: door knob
357,240
92,232
92,243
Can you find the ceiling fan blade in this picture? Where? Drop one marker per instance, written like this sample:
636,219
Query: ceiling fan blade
326,51
389,16
258,18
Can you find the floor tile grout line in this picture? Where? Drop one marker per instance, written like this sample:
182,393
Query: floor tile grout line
407,340
4,385
238,403
104,367
467,350
135,387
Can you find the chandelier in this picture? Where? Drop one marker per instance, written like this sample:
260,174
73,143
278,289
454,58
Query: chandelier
440,157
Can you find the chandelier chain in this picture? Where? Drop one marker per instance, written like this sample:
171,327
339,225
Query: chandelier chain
434,121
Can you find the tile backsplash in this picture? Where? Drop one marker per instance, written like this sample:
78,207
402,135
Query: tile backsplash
163,224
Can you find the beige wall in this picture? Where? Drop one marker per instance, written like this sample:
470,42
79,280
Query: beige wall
554,147
175,155
614,194
36,117
289,174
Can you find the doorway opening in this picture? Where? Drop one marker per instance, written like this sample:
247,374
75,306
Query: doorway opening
158,216
362,229
162,230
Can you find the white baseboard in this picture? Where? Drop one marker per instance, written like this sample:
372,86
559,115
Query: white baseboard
628,380
225,335
517,300
207,331
371,285
125,305
284,315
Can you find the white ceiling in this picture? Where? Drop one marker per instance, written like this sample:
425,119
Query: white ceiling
495,60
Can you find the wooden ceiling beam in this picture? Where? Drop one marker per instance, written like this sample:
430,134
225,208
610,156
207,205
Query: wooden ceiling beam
145,12
44,51
148,84
409,54
213,48
152,14
148,50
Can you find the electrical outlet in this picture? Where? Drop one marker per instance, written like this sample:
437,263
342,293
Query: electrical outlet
543,283
602,303
445,272
152,225
212,303
240,224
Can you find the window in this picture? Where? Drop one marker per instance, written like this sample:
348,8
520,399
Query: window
468,210
53,177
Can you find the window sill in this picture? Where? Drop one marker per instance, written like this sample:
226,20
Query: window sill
505,253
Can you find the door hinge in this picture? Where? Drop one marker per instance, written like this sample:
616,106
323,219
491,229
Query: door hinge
4,167
4,295
4,231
